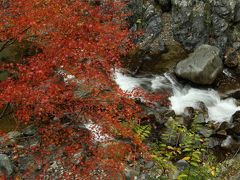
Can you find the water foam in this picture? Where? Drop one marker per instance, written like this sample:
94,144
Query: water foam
183,96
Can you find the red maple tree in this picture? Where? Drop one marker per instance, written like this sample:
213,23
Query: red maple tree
85,40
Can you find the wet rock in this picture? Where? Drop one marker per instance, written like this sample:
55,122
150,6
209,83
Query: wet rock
221,130
149,164
200,118
232,58
165,115
230,143
6,166
235,34
235,129
223,126
213,142
232,94
202,108
201,67
235,117
188,115
182,164
221,133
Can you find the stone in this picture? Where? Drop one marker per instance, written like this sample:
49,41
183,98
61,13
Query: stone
235,129
225,8
182,164
149,164
6,166
200,118
235,117
233,94
230,143
231,58
213,142
188,115
202,108
202,66
165,115
235,34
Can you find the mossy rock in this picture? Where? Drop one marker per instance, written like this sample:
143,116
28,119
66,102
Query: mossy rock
13,51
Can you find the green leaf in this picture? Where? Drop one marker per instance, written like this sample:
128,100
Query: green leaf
194,164
182,176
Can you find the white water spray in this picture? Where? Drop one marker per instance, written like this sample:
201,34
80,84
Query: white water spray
219,110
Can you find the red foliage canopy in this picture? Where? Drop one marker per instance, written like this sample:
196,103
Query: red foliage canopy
82,39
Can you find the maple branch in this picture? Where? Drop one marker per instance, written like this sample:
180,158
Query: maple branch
4,110
7,43
12,40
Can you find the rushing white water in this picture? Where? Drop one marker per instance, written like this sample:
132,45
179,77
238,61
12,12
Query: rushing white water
219,110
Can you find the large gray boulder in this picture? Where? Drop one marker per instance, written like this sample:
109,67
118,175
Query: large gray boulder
202,66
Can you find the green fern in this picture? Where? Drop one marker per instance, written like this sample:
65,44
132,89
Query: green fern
143,131
179,143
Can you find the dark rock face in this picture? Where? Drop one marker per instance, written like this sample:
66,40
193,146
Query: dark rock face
151,42
197,22
165,5
147,17
190,24
201,67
